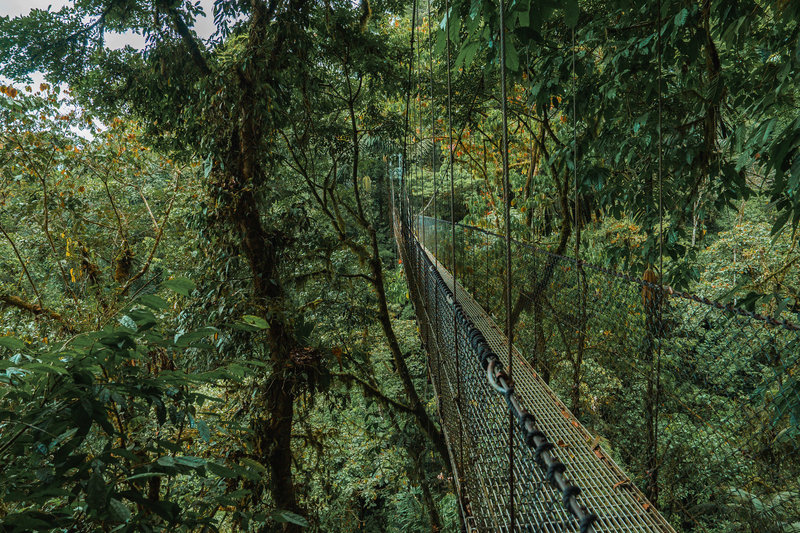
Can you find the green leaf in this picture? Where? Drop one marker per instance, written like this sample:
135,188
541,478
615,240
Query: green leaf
512,56
455,25
167,460
466,54
96,492
255,465
283,516
180,285
680,18
152,301
142,318
521,9
221,471
797,50
232,498
202,430
208,165
46,368
144,476
12,343
780,222
441,42
191,337
255,321
525,18
63,437
236,370
191,462
118,511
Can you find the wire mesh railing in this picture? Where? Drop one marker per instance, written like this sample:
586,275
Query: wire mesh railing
691,396
562,480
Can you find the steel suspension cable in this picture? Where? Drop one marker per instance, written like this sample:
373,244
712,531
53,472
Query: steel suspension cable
576,207
453,237
660,244
660,155
435,184
507,210
413,172
435,190
578,362
417,158
403,185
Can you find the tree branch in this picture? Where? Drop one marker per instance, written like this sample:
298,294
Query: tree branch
22,264
19,303
189,40
160,234
374,392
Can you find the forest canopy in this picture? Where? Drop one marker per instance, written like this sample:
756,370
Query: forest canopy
205,322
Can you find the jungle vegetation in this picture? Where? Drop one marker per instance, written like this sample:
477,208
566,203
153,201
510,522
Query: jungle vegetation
204,322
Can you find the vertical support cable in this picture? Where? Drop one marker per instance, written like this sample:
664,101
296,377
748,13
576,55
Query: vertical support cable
576,208
415,153
507,207
420,170
660,243
453,238
486,279
660,156
403,182
435,218
391,189
433,157
576,371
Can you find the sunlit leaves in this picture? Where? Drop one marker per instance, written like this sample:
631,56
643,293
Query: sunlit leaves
81,200
255,321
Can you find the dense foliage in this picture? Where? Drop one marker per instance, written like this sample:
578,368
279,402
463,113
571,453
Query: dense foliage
204,321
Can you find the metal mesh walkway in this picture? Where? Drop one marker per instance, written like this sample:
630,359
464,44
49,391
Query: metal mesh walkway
475,420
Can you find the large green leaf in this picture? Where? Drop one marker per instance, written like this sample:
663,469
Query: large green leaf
221,471
180,285
12,343
153,301
290,517
255,321
118,511
96,494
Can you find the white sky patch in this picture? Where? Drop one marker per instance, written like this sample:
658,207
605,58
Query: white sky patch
204,26
37,78
14,8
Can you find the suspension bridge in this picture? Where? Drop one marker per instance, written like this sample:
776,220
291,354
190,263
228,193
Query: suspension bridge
476,396
524,345
563,478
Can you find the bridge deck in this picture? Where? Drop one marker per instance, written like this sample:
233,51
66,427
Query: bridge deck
476,426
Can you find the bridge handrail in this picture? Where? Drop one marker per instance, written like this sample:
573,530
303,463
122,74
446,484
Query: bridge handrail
729,307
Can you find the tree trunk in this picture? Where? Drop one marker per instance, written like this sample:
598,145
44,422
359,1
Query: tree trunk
420,414
272,427
536,155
